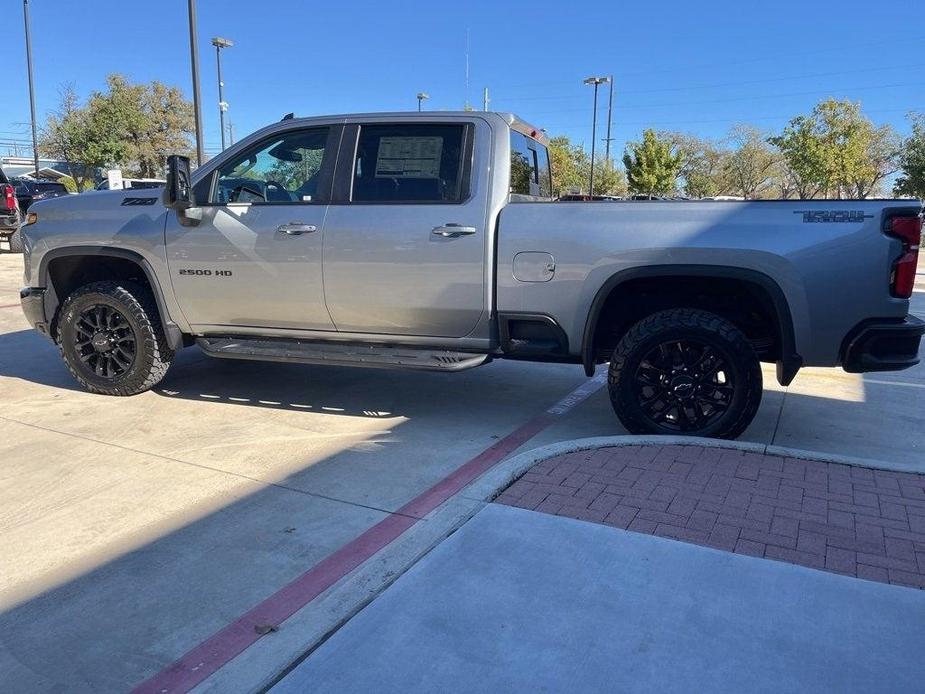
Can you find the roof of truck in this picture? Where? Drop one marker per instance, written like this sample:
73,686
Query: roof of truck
511,119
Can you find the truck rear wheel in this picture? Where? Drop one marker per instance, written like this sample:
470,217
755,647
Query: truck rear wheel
111,338
685,372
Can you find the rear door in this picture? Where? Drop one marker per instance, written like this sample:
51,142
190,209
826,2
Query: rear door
254,260
405,236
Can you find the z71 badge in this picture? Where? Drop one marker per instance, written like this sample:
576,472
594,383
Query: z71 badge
815,216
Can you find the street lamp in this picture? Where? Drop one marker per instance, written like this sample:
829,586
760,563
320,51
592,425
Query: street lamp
596,81
421,97
194,65
219,44
35,139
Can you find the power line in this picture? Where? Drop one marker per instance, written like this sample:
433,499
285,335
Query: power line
743,119
852,47
751,97
721,84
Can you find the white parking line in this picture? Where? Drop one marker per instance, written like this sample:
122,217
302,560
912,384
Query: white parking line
894,383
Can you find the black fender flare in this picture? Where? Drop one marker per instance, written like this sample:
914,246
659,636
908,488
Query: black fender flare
52,301
790,361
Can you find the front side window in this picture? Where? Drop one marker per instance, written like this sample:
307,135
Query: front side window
284,169
409,162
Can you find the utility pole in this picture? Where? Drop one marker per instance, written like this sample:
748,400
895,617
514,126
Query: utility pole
421,97
35,138
596,82
219,44
485,99
194,64
609,119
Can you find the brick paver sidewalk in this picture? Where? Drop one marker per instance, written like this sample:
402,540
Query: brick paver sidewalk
852,520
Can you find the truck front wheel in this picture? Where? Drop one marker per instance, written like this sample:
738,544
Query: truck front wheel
685,372
111,338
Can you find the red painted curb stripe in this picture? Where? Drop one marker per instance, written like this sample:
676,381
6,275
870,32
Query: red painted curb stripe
217,650
12,306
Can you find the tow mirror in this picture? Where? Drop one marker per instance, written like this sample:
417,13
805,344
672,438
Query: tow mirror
178,193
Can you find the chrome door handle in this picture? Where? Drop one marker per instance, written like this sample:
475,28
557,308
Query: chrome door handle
296,228
452,231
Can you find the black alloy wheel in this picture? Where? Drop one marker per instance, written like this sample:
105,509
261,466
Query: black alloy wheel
684,385
685,372
105,341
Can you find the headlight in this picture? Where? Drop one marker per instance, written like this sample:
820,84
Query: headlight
31,218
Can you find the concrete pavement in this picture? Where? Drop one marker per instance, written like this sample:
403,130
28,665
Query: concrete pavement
132,529
523,601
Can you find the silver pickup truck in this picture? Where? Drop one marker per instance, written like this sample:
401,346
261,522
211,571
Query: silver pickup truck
432,241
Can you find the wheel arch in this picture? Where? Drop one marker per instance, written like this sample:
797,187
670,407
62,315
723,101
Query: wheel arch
57,292
788,363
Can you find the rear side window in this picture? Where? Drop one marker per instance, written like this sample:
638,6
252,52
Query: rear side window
409,163
530,174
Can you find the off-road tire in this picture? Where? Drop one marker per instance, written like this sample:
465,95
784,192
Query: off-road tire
677,326
152,353
16,241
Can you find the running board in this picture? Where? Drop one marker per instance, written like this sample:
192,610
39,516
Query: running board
340,354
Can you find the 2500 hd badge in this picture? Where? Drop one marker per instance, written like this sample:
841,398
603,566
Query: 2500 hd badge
205,273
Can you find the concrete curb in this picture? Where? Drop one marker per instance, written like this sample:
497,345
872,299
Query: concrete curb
257,668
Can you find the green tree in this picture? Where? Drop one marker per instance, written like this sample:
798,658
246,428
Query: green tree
912,161
751,166
608,179
568,162
804,163
836,151
131,126
74,135
702,164
653,165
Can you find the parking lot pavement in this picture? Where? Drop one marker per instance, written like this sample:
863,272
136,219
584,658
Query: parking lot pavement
131,529
520,601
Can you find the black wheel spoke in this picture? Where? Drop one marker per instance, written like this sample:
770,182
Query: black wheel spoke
104,341
683,385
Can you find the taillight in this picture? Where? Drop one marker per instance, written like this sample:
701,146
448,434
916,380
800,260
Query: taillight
909,231
9,197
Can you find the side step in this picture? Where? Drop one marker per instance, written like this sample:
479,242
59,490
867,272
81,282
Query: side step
340,354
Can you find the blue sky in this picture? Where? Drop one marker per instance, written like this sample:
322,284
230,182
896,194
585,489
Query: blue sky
699,67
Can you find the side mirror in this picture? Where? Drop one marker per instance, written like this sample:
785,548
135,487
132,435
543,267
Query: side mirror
178,193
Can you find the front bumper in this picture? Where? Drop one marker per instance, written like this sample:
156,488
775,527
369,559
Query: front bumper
882,345
33,306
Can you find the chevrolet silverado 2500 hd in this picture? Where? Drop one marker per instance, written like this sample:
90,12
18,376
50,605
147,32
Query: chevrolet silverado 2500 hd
432,241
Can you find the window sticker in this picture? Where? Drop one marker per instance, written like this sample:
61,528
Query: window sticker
409,157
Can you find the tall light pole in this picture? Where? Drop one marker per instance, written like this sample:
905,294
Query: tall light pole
596,81
35,139
609,118
194,64
421,97
219,44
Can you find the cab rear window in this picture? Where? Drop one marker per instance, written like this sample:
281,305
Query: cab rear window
530,173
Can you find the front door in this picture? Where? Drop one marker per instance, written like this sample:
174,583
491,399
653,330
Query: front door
404,249
254,260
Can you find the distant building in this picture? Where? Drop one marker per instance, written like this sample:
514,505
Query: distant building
50,169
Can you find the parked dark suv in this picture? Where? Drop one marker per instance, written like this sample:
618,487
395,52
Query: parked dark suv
9,214
29,190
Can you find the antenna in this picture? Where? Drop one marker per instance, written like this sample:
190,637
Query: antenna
467,70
